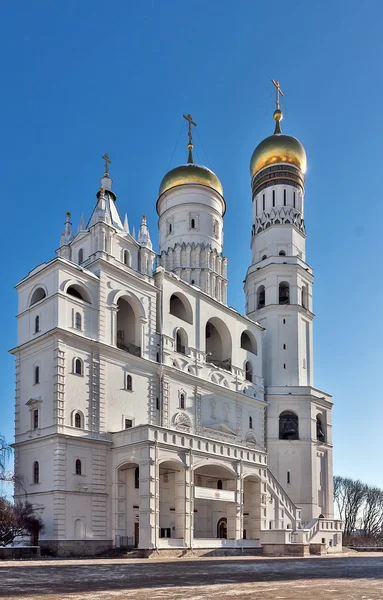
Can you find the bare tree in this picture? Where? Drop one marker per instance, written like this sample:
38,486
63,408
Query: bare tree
372,516
17,520
349,495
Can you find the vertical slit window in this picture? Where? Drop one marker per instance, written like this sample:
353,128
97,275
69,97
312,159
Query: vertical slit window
273,197
284,197
263,201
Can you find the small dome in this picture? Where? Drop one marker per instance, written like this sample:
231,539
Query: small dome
278,148
189,174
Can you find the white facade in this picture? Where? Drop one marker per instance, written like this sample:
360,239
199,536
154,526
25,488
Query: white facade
147,410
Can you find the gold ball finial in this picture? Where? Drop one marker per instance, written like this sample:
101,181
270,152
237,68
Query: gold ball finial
278,115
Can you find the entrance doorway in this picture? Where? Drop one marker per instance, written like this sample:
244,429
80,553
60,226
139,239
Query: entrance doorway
222,528
136,534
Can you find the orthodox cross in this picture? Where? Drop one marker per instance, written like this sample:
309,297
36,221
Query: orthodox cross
189,119
107,160
278,92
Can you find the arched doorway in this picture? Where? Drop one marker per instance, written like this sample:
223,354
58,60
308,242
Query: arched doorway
127,516
222,528
171,490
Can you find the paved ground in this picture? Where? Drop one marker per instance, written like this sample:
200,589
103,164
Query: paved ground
354,577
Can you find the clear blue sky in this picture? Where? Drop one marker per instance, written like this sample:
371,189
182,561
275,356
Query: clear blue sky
81,78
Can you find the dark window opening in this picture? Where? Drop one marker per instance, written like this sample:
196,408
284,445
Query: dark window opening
157,403
284,197
219,484
128,423
294,199
37,295
129,383
320,429
78,467
261,297
192,224
77,420
37,375
288,477
36,418
78,366
76,293
80,256
284,293
250,422
284,346
263,201
249,371
288,426
182,401
36,472
282,253
78,321
137,478
37,324
273,197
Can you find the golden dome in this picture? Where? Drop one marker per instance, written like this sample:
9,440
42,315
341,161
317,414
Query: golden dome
278,148
189,174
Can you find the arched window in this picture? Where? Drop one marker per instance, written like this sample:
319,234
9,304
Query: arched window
250,422
282,253
264,257
126,257
78,292
288,426
78,366
37,324
261,296
182,401
180,307
219,484
249,371
129,383
304,297
37,375
248,342
78,420
284,293
181,341
36,472
38,294
218,344
77,321
128,326
137,478
80,256
320,429
78,467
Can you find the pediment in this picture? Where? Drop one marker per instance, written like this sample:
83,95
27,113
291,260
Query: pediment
222,428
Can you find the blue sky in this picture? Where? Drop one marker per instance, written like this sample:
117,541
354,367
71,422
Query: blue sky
84,78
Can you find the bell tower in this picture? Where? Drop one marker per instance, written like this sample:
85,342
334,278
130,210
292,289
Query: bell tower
278,290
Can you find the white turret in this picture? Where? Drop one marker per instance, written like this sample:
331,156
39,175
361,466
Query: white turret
191,209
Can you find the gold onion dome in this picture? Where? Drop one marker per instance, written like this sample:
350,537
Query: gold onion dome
190,174
278,148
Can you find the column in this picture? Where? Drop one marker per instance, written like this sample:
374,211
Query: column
179,502
148,501
253,488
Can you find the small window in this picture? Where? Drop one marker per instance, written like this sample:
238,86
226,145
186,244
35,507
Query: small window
284,321
288,477
294,199
170,228
284,346
78,467
273,197
36,418
182,401
284,365
128,423
250,422
78,321
249,371
77,420
38,294
219,484
37,324
157,403
192,282
137,478
80,256
36,472
192,223
263,202
129,383
261,294
78,366
284,197
126,258
264,257
282,253
37,375
284,293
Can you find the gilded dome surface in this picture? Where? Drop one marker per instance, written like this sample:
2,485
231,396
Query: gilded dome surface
278,148
190,173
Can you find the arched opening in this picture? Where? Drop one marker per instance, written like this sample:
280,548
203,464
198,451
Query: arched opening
78,321
128,499
78,420
128,328
282,253
126,258
288,426
181,341
248,342
129,383
37,324
284,293
38,294
219,484
218,344
79,530
320,429
304,296
171,502
264,257
261,296
80,256
182,401
249,371
78,366
78,292
37,375
222,528
251,507
78,467
36,472
179,306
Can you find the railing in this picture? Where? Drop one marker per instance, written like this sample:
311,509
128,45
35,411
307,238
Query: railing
222,364
131,348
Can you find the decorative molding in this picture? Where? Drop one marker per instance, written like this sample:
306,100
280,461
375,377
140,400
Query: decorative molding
279,216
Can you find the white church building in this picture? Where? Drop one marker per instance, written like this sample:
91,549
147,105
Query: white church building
149,413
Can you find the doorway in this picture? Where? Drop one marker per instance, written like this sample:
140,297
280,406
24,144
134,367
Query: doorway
222,529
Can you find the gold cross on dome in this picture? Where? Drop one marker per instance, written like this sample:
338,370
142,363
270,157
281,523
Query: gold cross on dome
107,160
278,92
189,119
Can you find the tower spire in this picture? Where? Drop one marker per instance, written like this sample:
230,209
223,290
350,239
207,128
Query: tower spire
190,121
278,114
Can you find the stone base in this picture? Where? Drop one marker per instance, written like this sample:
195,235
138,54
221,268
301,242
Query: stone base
74,547
287,549
19,552
194,552
318,549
